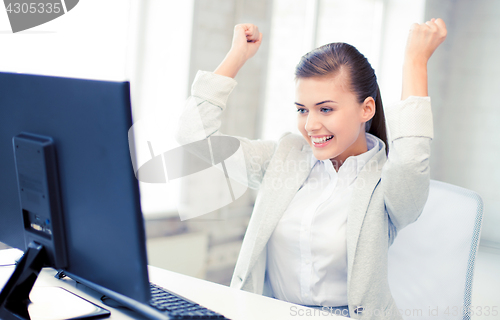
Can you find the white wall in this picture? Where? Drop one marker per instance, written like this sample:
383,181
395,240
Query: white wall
464,85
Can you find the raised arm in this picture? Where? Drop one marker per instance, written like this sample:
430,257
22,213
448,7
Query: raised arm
406,175
422,42
202,113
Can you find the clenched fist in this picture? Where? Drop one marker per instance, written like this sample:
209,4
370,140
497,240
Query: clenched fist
424,39
246,42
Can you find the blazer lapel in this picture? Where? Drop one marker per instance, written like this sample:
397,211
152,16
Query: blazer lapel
365,184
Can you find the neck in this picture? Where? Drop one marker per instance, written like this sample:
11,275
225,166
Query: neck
358,147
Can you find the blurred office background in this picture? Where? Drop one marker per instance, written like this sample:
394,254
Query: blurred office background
159,45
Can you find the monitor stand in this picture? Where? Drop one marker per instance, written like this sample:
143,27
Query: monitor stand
14,297
15,302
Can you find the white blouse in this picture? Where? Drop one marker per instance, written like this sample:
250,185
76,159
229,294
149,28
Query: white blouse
307,252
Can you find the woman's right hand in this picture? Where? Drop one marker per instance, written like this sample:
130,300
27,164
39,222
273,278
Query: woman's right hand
246,42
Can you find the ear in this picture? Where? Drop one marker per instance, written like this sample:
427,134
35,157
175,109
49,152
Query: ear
367,109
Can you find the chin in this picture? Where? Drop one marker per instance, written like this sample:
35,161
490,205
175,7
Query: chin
324,155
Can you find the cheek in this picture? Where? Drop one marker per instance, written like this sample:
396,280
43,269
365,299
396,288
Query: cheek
301,124
334,124
350,122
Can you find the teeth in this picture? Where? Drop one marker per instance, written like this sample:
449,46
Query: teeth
320,140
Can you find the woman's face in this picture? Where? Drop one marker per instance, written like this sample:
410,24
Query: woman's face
331,119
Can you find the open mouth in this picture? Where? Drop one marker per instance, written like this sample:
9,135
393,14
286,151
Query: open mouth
320,142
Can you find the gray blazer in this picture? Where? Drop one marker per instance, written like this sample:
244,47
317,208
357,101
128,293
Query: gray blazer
390,192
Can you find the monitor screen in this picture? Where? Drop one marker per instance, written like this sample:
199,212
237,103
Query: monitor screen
88,122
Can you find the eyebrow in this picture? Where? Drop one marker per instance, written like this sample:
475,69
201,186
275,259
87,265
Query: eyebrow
317,104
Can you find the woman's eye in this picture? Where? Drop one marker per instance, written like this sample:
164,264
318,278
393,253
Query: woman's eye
301,110
326,110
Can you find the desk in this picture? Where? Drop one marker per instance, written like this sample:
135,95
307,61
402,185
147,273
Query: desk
234,304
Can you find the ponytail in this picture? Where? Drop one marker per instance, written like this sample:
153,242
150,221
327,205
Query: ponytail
376,125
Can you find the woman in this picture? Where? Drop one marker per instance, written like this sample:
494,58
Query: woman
330,200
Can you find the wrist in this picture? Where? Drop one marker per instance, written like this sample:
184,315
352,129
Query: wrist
236,59
415,63
231,64
414,79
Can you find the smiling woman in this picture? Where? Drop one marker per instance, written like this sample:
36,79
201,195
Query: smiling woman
300,245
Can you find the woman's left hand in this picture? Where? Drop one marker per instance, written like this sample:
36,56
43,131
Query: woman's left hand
424,39
422,42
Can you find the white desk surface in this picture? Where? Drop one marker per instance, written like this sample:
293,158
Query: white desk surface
232,303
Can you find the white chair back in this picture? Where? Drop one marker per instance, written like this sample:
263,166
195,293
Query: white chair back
431,262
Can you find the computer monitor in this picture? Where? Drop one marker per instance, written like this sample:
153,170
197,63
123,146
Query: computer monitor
86,122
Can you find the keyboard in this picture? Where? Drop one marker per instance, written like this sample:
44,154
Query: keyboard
177,307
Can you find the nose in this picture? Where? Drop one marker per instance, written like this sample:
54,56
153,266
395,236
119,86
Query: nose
312,123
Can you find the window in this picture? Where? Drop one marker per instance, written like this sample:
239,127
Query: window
159,74
87,42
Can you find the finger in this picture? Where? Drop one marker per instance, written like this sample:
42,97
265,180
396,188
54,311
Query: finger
432,25
441,25
248,29
240,30
252,33
259,40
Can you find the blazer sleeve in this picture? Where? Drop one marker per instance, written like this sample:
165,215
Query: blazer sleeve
406,175
201,118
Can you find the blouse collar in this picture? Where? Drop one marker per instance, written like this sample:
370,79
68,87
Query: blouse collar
354,164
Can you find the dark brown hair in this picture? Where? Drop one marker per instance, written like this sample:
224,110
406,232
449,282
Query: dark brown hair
329,60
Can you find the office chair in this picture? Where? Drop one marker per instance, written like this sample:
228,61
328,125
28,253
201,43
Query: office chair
431,262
